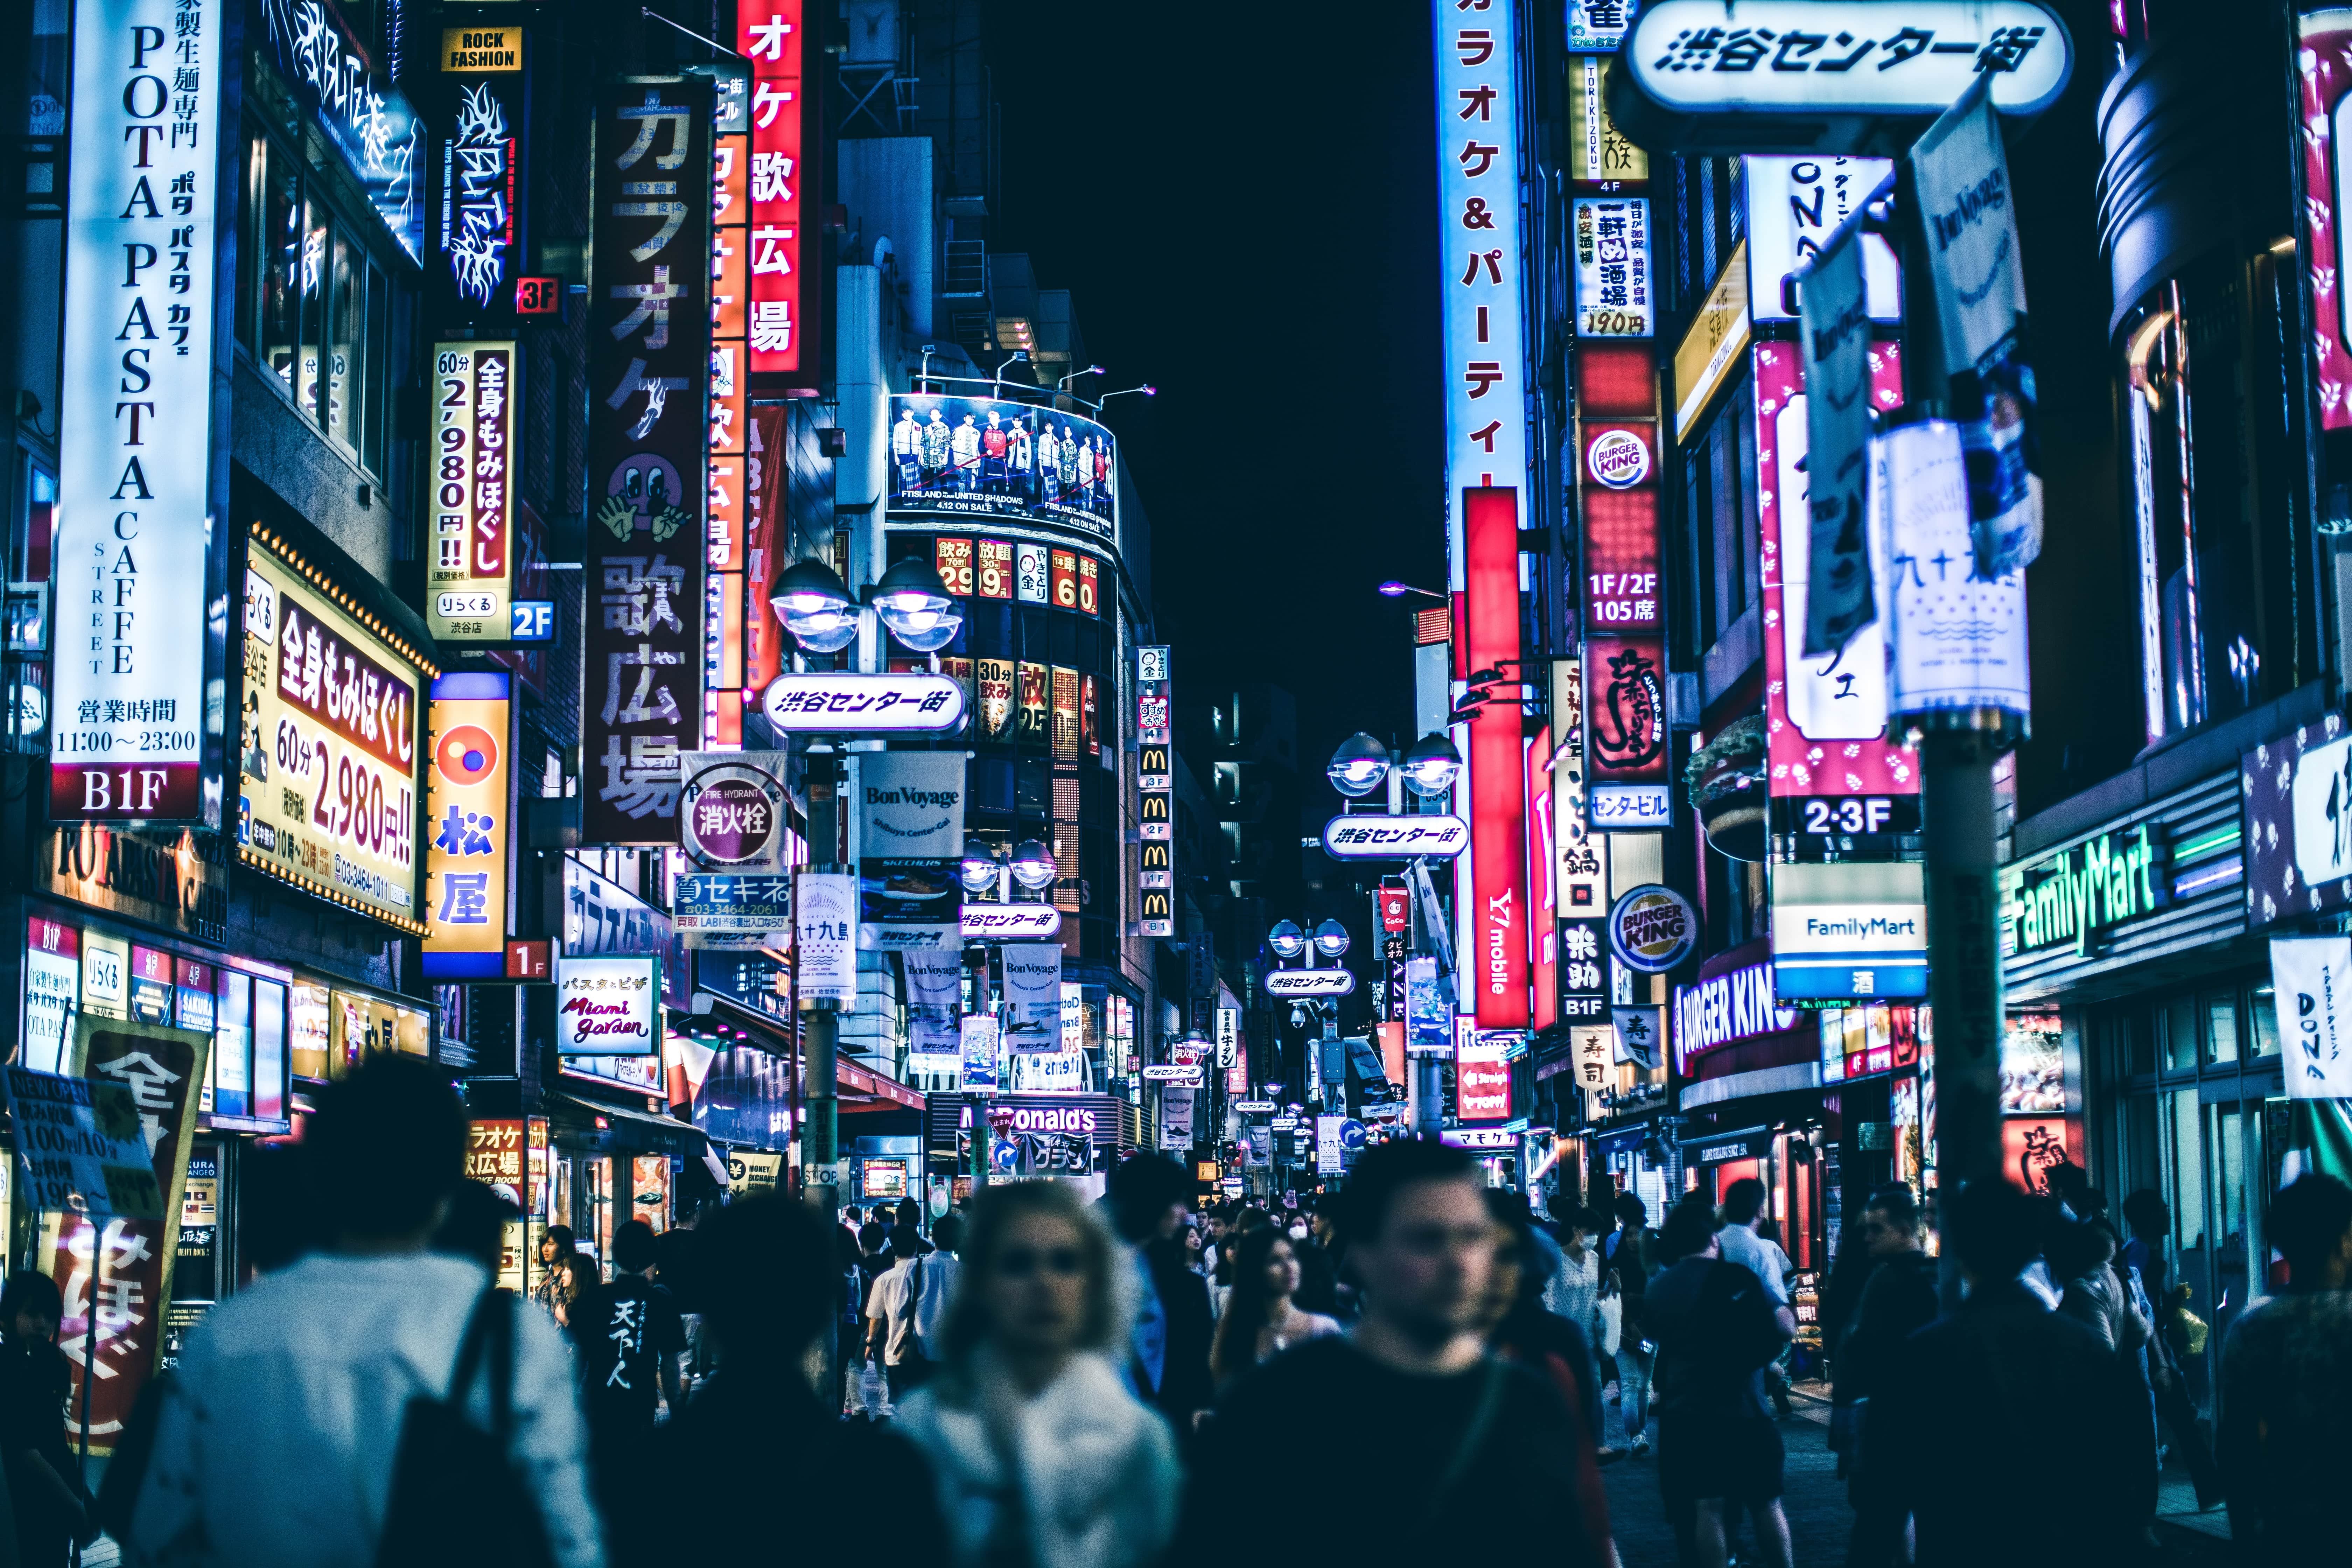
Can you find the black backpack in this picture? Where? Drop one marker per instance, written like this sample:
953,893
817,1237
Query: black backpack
457,1496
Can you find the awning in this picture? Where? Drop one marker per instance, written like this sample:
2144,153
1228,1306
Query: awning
630,1131
1786,1079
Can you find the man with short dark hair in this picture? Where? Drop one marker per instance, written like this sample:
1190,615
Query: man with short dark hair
1941,1443
1150,1197
630,1338
1459,1449
1717,1328
1898,1300
277,1435
2286,1380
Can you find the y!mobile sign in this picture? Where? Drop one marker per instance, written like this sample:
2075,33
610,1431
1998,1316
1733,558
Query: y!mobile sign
135,430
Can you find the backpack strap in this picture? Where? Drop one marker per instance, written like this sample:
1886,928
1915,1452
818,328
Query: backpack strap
490,1329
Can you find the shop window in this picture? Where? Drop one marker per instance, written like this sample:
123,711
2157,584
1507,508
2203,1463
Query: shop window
2180,1035
2221,1029
315,310
232,1067
2261,1016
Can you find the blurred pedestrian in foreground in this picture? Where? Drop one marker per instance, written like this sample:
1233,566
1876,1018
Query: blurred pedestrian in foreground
35,1386
1147,1196
1941,1441
1717,1328
2150,1222
1522,1330
1625,1275
2286,1387
757,1451
1262,1318
1897,1299
1432,1445
475,1224
277,1439
1042,1457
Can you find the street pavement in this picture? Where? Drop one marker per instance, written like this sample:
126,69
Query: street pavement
1815,1499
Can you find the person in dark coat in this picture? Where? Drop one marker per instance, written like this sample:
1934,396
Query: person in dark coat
1897,1300
2003,1424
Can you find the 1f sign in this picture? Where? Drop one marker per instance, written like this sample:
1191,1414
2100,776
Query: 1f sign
135,433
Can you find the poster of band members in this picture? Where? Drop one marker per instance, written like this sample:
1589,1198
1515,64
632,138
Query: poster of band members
649,365
976,456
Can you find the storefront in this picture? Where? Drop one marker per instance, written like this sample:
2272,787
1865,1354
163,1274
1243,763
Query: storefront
1074,1136
2141,1041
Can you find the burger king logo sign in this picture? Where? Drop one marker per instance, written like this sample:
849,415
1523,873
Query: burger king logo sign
1618,459
1652,929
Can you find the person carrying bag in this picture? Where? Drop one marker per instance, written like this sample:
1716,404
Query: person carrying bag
458,1496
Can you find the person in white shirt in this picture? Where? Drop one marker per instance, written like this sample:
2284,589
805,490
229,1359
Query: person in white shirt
1743,1207
902,1316
277,1437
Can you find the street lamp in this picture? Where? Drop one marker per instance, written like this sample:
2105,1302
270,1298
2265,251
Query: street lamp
1147,389
1020,357
1358,765
813,606
1287,940
1431,766
1396,590
1033,865
1331,939
980,868
914,603
1064,385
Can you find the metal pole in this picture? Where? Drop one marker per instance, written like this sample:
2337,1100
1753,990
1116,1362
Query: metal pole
820,1127
1963,867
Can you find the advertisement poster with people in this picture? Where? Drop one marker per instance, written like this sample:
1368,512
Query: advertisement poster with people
978,457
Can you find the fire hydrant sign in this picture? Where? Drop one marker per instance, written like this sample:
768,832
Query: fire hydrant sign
608,1006
84,1151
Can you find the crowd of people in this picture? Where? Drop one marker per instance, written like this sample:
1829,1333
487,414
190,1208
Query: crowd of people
1037,1381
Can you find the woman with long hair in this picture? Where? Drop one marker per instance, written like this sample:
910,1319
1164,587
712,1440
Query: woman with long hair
1041,1457
551,1278
1260,1321
44,1484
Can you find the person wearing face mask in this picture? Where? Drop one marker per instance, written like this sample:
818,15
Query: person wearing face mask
1262,1318
1041,1457
1573,1292
1319,1265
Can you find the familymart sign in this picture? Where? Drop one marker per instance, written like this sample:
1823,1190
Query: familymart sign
2077,893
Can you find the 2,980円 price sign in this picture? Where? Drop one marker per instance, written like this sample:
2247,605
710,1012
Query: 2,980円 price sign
328,753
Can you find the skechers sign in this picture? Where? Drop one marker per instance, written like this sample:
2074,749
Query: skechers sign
840,703
1286,982
2077,893
1717,1011
1373,837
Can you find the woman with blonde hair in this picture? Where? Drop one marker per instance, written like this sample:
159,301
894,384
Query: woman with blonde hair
1041,1457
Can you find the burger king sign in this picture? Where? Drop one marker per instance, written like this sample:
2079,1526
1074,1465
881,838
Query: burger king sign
1618,459
1652,929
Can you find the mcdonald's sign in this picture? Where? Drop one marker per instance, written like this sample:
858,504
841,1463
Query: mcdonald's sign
1153,769
1156,904
1155,806
1154,780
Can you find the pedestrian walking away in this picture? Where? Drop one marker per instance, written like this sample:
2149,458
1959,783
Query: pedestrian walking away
1041,1455
1897,1299
1466,1448
903,1318
630,1342
1624,1263
276,1444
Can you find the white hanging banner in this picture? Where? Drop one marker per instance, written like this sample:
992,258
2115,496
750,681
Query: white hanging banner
1835,348
1032,984
2311,979
825,917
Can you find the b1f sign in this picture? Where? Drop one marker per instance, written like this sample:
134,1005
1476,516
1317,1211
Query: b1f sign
134,425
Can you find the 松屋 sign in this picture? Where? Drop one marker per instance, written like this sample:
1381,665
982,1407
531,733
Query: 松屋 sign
608,1006
135,427
466,795
1379,837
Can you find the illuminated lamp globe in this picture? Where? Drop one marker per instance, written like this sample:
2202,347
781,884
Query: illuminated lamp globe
815,607
914,603
1358,765
979,867
1033,865
1287,940
1330,938
1431,766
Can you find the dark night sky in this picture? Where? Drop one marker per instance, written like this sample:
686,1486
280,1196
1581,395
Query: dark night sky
1241,211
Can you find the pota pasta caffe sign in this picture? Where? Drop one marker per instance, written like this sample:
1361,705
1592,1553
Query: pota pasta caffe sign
608,1006
327,751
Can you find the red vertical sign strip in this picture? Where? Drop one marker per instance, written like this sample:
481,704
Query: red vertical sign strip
772,36
1543,887
1498,823
766,534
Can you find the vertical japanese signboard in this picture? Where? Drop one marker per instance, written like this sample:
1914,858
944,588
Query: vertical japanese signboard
1155,781
1624,627
2326,67
467,799
113,1315
135,427
649,336
1498,797
1543,887
1611,239
1838,785
471,572
784,299
730,408
480,210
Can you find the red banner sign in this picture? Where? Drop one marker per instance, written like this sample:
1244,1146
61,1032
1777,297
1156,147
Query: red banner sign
1498,967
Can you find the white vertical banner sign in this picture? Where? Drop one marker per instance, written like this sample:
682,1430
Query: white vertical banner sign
135,429
1835,348
1478,256
1032,984
2311,977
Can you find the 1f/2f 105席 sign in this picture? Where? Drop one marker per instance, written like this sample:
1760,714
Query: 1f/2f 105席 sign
844,703
1369,837
1287,982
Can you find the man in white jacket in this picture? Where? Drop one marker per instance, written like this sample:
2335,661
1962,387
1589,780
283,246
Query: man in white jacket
277,1441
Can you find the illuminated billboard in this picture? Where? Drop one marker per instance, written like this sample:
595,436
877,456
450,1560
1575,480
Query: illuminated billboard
977,457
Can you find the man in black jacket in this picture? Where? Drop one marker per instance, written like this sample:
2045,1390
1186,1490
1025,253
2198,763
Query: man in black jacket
1898,1300
2003,1424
